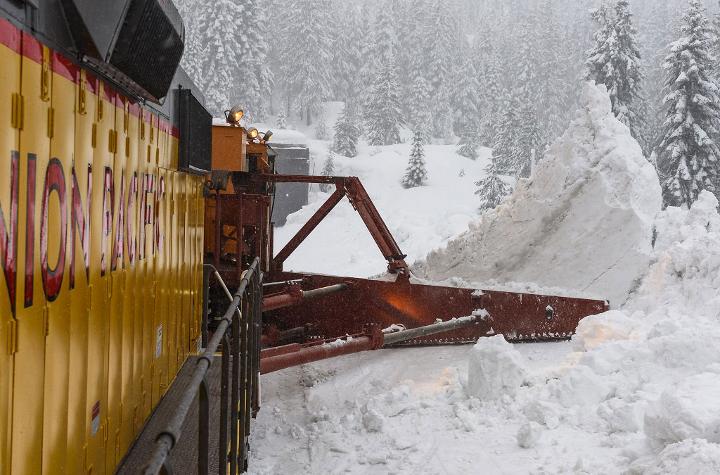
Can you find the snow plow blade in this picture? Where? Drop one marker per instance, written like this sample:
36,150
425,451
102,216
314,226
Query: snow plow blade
517,316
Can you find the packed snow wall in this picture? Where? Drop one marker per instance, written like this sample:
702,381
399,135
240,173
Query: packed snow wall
582,222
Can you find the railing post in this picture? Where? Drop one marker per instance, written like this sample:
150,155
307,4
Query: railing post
257,330
203,429
235,332
223,444
207,270
234,399
243,389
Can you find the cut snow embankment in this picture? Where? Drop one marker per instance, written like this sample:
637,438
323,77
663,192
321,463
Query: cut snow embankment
582,222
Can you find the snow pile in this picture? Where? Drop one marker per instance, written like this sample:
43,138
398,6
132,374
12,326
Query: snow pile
495,369
690,410
694,456
529,434
583,221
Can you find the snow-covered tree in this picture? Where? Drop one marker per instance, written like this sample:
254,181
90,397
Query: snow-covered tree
305,54
253,79
215,46
467,118
383,112
347,133
504,147
517,141
416,174
419,108
615,62
689,152
227,54
281,121
348,54
469,143
328,170
321,128
554,84
492,190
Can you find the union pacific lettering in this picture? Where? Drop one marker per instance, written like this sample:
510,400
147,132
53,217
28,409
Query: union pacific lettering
129,242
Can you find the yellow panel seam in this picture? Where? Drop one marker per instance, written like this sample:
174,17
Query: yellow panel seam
12,337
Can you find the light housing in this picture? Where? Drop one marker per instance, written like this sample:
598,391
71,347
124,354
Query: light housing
267,136
253,133
234,116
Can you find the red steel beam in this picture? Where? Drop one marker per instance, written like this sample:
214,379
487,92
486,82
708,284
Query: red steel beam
384,239
296,355
308,228
361,202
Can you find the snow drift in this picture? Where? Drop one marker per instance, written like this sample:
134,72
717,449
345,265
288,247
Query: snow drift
495,369
582,222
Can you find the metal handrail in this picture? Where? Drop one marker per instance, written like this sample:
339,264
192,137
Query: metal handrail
245,336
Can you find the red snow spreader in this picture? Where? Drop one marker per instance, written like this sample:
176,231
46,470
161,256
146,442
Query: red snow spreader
308,317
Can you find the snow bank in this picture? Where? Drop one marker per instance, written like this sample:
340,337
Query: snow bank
695,456
583,222
495,369
690,410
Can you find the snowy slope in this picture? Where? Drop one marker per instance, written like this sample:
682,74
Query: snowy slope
421,219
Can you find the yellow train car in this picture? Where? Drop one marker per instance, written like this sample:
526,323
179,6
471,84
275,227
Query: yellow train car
100,247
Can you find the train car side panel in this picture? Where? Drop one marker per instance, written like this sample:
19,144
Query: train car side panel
54,237
31,317
9,183
79,413
96,246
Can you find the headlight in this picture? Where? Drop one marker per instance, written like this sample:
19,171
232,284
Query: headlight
235,115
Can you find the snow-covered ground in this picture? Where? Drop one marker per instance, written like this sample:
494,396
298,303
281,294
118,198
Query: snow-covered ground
636,391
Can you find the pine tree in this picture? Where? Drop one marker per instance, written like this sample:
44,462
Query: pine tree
281,121
528,146
419,108
492,190
615,62
465,102
383,111
321,129
469,143
656,30
253,78
416,174
504,147
552,105
492,95
216,47
689,152
346,133
442,40
328,170
226,54
348,56
305,54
